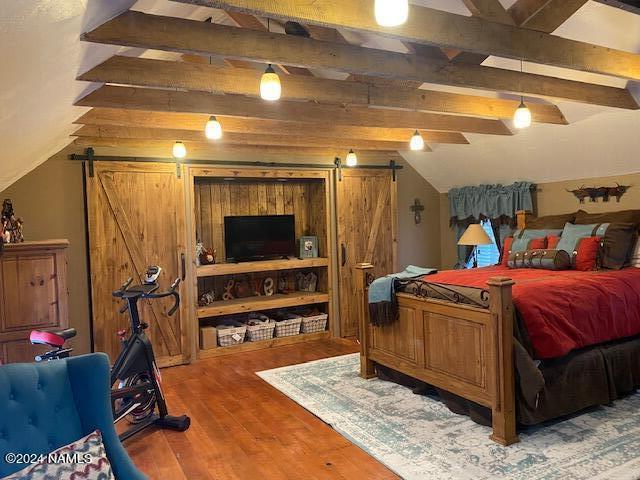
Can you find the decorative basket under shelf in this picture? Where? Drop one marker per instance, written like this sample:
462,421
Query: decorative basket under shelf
315,323
231,335
260,331
289,327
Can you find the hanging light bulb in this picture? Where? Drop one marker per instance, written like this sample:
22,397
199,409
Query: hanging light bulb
213,129
270,88
179,150
417,142
391,13
352,159
522,116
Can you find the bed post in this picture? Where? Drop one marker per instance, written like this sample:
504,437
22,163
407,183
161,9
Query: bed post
504,400
363,271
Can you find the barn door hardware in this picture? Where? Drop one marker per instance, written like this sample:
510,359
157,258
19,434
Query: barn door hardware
393,167
338,164
89,152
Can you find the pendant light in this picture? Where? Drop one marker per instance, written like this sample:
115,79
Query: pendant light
270,88
213,129
522,115
352,159
417,142
179,150
391,13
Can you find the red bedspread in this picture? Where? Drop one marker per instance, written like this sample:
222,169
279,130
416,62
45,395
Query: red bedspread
566,310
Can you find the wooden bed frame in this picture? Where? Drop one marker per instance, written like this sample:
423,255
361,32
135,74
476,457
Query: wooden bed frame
464,349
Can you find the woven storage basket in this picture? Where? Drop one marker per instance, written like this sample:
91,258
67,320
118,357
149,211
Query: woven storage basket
315,323
260,331
289,327
231,335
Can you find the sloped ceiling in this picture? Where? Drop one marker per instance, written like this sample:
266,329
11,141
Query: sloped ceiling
41,56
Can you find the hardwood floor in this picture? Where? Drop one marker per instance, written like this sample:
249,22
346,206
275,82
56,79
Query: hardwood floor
242,428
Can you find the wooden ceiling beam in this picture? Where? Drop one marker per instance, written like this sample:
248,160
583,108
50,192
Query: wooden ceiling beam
229,138
239,106
139,29
196,122
491,10
144,72
208,151
544,15
437,27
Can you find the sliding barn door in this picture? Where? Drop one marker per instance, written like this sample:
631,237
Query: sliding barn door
367,221
136,218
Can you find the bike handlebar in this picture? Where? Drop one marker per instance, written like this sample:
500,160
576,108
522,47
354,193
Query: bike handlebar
124,289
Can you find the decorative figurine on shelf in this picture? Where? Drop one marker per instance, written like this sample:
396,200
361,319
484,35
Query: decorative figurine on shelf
268,286
306,282
10,226
243,288
258,288
229,290
308,247
204,255
207,299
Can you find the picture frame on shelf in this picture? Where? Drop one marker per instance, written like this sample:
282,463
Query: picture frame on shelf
309,246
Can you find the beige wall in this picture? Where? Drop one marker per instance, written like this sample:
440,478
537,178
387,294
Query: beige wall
550,199
50,201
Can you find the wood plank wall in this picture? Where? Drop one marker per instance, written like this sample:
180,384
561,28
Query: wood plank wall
216,198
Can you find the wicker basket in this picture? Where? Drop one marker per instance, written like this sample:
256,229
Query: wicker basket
288,327
231,335
260,331
315,323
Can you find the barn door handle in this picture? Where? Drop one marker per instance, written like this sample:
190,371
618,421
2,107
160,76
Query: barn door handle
343,250
183,266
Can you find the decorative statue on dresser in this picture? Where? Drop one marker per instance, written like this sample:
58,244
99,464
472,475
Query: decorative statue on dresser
10,226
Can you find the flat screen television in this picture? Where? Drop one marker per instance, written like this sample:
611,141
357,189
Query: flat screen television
260,237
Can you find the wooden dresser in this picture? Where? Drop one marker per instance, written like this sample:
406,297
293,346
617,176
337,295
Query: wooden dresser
33,295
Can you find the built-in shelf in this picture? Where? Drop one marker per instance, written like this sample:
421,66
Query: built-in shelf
262,266
273,342
254,304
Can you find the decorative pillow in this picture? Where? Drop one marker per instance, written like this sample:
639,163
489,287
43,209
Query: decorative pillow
538,243
617,245
635,256
572,234
551,221
586,254
552,242
624,216
541,259
89,462
522,237
506,250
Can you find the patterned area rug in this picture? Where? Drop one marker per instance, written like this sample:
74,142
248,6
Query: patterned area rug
419,438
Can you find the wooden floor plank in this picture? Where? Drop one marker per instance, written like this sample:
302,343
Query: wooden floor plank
242,428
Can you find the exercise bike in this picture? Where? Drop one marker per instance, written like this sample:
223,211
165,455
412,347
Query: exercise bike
135,375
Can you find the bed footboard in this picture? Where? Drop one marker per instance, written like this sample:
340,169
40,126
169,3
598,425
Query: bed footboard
466,350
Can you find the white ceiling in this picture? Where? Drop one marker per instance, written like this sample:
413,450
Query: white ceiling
41,55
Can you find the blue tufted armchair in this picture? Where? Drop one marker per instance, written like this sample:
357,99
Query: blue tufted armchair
44,406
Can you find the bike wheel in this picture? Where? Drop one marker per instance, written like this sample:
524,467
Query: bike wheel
146,399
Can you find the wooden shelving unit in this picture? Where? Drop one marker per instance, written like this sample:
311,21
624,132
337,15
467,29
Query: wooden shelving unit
254,304
265,266
219,192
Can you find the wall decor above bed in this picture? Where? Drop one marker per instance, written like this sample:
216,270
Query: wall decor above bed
594,193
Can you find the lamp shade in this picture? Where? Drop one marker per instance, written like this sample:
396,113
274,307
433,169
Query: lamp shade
475,235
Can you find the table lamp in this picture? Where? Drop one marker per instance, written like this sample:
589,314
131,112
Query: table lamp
475,235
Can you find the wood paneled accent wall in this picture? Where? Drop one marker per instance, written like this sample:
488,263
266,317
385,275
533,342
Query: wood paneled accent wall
216,198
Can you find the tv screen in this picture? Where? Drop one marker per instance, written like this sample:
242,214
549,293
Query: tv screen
259,237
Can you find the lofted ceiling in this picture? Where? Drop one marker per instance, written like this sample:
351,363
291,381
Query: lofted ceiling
42,55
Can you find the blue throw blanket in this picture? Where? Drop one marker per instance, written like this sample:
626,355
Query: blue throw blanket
382,294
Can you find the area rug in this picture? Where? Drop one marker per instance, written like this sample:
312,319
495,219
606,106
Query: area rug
417,437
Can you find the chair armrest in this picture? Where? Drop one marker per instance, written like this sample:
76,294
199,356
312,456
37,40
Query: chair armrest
90,377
